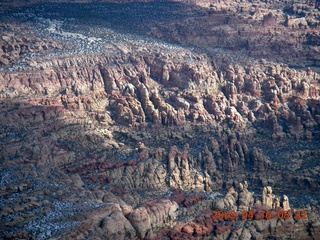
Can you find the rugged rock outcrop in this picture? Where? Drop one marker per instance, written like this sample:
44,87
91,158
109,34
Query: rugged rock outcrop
107,133
252,221
152,216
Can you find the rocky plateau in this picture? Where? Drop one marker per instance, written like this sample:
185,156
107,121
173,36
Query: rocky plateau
142,119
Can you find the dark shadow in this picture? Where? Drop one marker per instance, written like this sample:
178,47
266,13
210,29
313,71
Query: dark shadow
126,18
138,19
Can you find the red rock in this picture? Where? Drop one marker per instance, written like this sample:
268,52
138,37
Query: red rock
178,196
193,199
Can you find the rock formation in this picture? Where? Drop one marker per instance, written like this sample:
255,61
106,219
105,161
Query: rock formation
155,215
245,197
127,120
251,225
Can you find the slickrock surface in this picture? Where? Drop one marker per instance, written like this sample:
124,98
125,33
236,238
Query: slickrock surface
138,119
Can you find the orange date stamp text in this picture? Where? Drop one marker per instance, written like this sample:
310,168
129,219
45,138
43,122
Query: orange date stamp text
267,214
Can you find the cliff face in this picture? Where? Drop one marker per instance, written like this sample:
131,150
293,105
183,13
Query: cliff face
134,138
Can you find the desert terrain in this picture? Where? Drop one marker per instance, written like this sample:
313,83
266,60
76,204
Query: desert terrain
144,119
